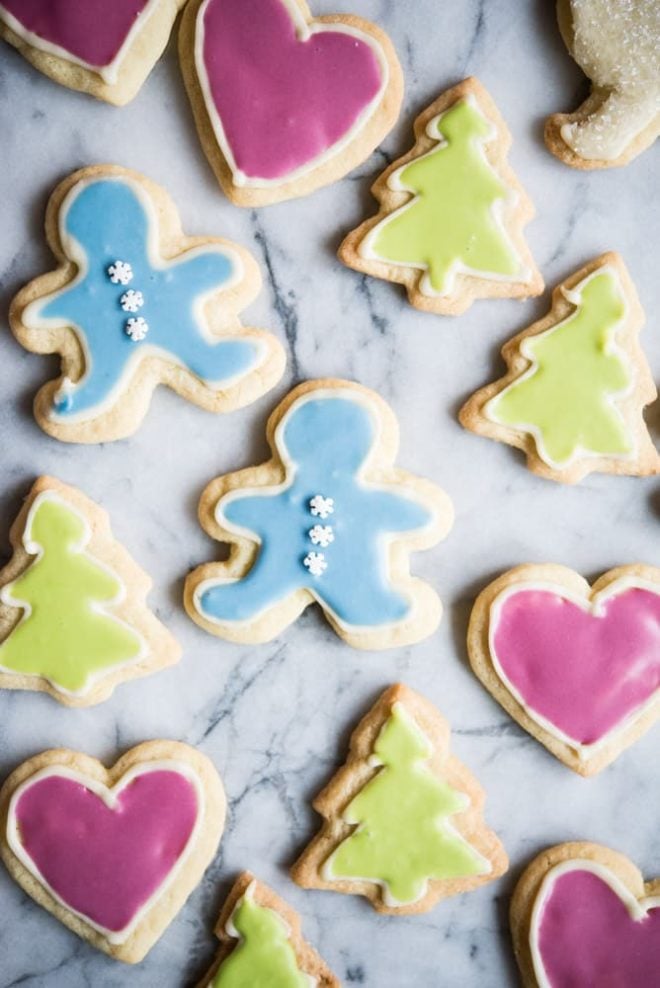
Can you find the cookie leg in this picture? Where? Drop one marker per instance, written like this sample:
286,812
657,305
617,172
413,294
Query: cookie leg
242,600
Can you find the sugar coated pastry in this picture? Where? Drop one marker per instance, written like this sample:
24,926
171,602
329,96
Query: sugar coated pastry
285,102
113,853
135,303
403,819
73,618
451,212
617,44
329,519
582,915
577,382
105,49
261,944
577,666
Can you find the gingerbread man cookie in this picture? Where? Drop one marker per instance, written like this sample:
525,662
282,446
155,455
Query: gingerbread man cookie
135,303
329,519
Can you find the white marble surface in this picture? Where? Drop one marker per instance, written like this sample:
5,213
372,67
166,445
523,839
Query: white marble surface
275,719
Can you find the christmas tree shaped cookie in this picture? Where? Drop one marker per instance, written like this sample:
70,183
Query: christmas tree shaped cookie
133,304
262,945
577,384
451,211
329,519
403,819
73,618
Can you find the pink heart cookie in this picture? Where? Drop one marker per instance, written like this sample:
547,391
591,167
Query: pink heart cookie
287,101
91,45
579,668
581,915
113,854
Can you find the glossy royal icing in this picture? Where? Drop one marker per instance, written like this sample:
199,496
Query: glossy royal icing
283,95
67,633
106,854
325,440
581,669
109,228
588,929
92,33
403,835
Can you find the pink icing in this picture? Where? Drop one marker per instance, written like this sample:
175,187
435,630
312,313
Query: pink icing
282,101
588,937
106,863
93,31
583,673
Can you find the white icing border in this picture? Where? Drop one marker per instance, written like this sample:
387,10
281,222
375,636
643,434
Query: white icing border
304,30
36,551
33,319
497,210
232,932
109,73
373,761
290,472
638,908
613,348
109,797
594,606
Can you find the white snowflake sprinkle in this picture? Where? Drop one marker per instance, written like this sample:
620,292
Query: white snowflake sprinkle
137,328
131,301
321,506
322,535
315,563
120,273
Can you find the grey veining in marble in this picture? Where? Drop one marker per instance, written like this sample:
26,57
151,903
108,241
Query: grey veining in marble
276,718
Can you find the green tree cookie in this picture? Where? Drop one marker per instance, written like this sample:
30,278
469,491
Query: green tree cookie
264,957
65,634
451,223
565,399
404,836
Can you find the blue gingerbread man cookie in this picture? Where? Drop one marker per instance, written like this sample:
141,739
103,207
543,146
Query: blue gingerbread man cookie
135,303
328,519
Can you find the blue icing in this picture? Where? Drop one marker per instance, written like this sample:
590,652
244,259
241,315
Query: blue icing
109,223
327,439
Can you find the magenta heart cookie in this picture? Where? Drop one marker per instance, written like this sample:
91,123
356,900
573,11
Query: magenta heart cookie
583,917
113,854
92,32
583,666
285,94
102,47
589,930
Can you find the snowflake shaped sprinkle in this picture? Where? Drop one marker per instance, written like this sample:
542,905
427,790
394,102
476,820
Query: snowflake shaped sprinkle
120,273
137,329
131,301
321,506
322,535
315,563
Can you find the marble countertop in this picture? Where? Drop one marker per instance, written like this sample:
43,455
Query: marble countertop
276,718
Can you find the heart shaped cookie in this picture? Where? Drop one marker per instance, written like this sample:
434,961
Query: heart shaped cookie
106,49
284,102
577,667
582,915
114,853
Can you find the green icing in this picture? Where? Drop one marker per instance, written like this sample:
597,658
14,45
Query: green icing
264,958
403,836
64,635
451,219
565,401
